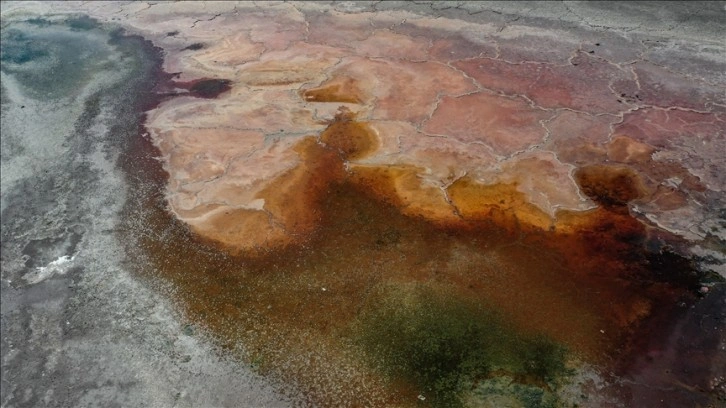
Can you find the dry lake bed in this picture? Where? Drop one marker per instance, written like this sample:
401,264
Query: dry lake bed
364,204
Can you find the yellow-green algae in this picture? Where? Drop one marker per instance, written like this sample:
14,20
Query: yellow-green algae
454,350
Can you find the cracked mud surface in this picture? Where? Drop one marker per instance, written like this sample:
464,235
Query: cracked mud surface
432,90
562,166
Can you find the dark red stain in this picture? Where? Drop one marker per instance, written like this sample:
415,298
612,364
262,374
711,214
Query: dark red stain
165,87
205,88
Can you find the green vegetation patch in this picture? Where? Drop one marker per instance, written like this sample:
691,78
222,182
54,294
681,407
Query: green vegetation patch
449,348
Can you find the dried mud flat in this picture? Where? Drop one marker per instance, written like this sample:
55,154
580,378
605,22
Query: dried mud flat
363,204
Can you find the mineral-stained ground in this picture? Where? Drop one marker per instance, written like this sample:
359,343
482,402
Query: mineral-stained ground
486,204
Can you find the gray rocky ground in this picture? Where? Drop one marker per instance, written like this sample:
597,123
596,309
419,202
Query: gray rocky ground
77,328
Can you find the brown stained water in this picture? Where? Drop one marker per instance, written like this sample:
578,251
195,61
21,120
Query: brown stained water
586,282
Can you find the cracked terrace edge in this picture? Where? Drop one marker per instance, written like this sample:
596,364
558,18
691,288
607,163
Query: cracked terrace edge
530,48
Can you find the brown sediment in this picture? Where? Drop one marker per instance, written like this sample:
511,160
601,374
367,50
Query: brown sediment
610,185
344,90
583,279
288,276
500,204
335,230
353,139
401,185
291,206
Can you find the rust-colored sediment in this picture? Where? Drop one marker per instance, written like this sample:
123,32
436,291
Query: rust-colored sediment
339,157
339,90
354,140
582,279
